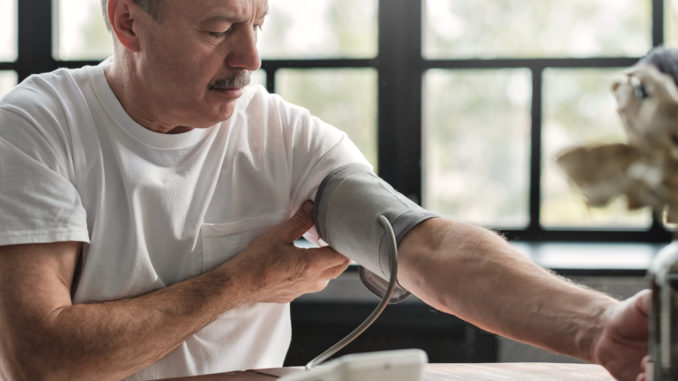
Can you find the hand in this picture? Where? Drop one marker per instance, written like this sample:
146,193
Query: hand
643,376
279,271
623,343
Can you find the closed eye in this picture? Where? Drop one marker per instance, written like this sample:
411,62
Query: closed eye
219,34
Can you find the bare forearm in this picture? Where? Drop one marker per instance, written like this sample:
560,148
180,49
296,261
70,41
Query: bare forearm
115,339
476,275
45,336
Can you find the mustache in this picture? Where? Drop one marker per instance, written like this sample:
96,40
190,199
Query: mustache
235,81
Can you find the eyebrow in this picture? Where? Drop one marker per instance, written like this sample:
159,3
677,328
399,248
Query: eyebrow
219,20
229,18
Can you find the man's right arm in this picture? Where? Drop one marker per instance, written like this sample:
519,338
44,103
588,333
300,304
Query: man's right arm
45,335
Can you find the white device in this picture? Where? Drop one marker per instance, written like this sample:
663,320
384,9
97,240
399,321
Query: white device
396,365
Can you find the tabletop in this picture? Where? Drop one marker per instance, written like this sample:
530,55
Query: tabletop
454,372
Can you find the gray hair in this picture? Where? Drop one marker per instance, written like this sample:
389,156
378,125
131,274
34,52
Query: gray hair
152,7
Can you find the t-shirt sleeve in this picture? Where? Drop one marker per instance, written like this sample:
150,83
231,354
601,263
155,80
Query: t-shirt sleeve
38,201
317,148
338,152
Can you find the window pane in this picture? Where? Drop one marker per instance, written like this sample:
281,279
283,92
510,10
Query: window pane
259,78
79,30
671,22
579,108
528,28
345,98
319,29
8,79
8,41
476,145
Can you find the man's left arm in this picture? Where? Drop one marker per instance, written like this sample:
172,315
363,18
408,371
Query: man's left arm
476,275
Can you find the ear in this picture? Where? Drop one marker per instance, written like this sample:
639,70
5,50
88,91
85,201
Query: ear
120,16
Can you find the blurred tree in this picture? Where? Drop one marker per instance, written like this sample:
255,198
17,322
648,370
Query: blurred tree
526,28
80,31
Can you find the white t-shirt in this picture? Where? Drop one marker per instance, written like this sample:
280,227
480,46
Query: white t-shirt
154,209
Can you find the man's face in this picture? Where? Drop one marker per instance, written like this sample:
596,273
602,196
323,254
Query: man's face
195,60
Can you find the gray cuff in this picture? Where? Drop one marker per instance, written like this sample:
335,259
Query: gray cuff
347,207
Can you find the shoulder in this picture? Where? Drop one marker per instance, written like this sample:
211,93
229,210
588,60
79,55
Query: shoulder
38,117
48,96
271,118
53,83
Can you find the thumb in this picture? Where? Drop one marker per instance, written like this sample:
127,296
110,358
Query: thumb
299,223
643,301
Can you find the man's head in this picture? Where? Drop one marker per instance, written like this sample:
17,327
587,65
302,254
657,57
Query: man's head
180,62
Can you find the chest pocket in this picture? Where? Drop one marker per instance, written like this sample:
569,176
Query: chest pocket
222,241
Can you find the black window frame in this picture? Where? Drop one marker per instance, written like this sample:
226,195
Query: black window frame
400,68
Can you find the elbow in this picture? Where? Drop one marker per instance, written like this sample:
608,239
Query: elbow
30,358
18,366
30,367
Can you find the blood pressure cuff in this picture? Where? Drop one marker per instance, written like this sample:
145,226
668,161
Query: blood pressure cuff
347,207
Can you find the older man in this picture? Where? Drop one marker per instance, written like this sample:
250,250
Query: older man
150,204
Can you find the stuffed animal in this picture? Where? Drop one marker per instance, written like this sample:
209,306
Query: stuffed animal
645,168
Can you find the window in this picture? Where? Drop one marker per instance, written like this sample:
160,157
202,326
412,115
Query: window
460,105
345,97
8,79
671,22
8,45
579,108
526,28
476,134
307,29
319,54
78,30
8,35
508,85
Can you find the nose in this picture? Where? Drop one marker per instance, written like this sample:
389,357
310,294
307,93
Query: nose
244,54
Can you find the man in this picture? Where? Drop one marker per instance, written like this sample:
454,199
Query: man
150,204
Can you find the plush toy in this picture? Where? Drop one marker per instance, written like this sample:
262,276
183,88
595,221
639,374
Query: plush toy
645,168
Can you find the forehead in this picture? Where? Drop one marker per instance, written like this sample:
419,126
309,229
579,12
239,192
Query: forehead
231,10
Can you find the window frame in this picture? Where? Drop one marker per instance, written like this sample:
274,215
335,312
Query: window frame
400,68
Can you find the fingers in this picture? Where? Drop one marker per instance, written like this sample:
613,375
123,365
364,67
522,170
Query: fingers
326,257
632,316
320,266
643,301
298,224
333,272
279,271
643,365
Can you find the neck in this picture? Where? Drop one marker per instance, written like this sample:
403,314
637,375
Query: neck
127,86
